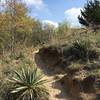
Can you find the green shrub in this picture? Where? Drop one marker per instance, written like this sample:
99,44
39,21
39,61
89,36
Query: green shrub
80,50
40,38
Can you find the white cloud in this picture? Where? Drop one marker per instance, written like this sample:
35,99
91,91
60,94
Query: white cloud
50,22
72,16
38,4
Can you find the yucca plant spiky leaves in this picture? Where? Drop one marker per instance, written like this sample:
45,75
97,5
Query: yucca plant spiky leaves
29,85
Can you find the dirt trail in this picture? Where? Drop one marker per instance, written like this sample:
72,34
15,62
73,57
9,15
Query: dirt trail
56,89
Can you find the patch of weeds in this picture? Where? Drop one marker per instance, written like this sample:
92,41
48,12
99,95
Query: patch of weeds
80,50
75,67
92,66
17,56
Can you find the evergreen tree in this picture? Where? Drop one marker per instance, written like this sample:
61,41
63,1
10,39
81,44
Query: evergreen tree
90,15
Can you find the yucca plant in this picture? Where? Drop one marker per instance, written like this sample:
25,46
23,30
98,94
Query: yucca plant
28,84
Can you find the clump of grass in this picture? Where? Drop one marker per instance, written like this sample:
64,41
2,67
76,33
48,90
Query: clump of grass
92,66
17,55
95,72
80,50
75,67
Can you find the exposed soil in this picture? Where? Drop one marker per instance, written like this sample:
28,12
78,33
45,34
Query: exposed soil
61,85
55,87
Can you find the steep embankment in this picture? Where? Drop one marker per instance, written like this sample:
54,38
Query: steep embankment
80,78
55,87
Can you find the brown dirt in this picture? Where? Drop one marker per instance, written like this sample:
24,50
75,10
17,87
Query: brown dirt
55,87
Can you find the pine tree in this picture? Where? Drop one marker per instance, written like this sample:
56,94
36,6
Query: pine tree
90,15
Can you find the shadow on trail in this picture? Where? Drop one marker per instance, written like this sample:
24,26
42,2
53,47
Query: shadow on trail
42,65
48,69
62,95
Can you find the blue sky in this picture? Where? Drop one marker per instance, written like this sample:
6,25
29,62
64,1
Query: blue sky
55,11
